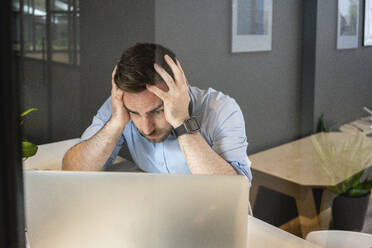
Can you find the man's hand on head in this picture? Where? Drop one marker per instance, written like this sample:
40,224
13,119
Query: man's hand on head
120,115
176,100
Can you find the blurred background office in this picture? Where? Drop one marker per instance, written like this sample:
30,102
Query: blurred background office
66,50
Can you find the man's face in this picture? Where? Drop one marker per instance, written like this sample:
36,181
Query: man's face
146,110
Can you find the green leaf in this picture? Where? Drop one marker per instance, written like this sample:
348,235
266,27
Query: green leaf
356,192
28,111
365,185
28,149
353,181
321,125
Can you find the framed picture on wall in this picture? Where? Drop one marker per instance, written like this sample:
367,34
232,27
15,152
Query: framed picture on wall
367,41
347,24
251,25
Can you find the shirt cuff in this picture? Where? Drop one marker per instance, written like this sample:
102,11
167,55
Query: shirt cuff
242,169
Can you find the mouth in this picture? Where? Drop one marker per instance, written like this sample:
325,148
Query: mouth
152,136
158,135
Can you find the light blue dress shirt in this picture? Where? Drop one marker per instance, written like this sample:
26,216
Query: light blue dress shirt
222,126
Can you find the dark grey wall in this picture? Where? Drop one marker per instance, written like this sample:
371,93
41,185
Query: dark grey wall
34,90
265,84
58,102
343,80
107,29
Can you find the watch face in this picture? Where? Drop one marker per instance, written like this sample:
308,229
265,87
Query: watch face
192,124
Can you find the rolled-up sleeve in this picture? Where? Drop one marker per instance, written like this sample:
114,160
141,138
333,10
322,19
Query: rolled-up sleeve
242,169
99,121
229,138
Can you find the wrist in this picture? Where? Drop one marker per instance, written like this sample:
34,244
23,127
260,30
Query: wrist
117,124
179,122
189,126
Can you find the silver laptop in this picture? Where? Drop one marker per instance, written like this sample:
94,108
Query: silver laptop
135,210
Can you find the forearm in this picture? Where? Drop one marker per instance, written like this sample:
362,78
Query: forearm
201,158
93,153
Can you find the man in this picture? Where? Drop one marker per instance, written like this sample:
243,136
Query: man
169,126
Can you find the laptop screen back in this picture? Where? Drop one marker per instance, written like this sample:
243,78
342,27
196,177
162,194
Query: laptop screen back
135,210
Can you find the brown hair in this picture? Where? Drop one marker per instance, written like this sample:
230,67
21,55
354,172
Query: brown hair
136,66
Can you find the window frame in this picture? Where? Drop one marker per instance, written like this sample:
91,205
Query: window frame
12,222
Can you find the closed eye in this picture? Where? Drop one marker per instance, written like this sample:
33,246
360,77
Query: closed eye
133,113
158,112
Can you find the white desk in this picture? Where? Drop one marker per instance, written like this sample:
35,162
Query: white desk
49,156
264,235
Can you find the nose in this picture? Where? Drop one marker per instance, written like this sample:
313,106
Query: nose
147,125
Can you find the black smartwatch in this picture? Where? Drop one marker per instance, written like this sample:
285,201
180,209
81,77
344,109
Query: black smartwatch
191,125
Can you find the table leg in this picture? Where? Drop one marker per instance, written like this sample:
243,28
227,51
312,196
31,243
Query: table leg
307,211
253,193
273,183
325,214
304,197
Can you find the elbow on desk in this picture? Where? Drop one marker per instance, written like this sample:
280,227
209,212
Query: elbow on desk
69,161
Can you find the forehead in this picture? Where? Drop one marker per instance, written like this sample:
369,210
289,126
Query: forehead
144,101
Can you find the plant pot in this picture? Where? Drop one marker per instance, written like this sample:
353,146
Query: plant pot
349,212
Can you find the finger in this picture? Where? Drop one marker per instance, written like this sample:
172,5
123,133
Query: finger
114,71
183,73
179,65
165,76
114,87
158,92
175,69
116,92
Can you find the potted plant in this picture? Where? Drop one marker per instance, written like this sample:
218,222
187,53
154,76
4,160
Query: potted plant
350,205
28,149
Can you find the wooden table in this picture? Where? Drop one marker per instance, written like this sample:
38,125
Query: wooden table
362,125
290,169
